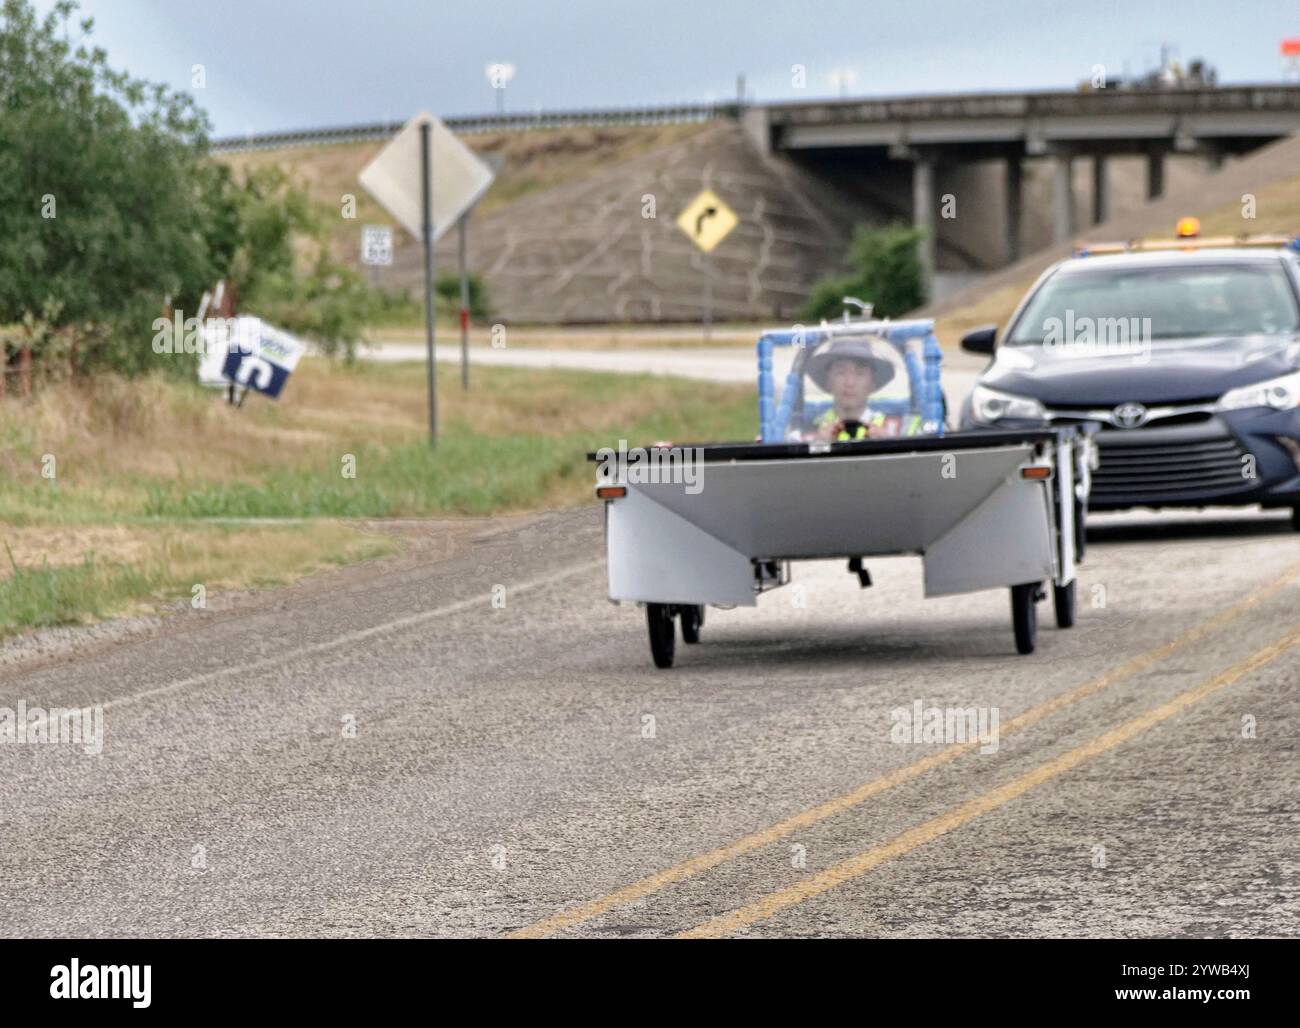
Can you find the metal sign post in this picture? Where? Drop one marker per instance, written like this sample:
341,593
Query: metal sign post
707,220
426,188
708,294
464,304
401,178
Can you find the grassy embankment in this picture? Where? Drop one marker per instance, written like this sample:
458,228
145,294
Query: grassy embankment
529,163
155,482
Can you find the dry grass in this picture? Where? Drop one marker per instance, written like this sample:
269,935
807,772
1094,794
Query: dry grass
995,308
213,553
59,546
533,161
1277,209
58,577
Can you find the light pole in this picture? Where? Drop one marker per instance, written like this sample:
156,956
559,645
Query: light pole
842,80
499,76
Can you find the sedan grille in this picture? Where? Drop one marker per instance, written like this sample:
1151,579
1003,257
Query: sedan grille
1151,472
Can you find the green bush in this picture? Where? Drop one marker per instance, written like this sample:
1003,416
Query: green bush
446,289
886,273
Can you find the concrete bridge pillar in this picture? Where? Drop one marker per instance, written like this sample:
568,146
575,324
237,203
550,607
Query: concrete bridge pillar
1062,197
756,122
1100,190
1155,173
1014,206
923,209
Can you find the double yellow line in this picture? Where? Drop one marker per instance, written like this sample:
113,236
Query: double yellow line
910,840
842,872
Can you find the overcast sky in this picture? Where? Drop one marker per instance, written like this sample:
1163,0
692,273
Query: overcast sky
282,64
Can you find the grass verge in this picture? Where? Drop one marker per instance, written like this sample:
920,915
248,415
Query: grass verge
108,489
144,565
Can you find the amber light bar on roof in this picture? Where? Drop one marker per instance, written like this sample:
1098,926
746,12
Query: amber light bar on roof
1189,243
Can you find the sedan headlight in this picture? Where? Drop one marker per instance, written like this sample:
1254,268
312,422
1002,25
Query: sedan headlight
988,406
1279,393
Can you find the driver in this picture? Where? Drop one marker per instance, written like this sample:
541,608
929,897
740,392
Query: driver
850,370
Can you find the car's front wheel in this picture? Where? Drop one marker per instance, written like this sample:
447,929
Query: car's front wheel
663,628
1024,615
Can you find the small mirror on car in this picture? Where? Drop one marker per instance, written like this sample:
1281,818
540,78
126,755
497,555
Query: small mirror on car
980,340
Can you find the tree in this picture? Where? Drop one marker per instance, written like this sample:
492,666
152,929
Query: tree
280,261
110,203
886,273
107,200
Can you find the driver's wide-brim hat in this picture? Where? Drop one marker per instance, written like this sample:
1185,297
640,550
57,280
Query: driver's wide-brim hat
858,350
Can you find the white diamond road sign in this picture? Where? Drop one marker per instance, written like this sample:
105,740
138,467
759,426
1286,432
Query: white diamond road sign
393,177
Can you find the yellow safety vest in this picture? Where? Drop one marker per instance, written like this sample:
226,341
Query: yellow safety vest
911,425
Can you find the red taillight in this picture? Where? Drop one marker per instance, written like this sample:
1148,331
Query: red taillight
610,492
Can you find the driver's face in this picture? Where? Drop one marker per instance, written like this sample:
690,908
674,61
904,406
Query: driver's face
851,383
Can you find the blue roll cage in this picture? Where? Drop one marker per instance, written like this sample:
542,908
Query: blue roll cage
923,371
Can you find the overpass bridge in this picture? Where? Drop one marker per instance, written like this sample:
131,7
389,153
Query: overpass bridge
925,133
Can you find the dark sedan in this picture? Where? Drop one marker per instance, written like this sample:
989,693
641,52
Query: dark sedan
1187,357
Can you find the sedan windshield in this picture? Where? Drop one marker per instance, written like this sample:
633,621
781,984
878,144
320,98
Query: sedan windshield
1163,302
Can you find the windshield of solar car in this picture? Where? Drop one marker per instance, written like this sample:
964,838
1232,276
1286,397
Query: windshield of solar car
1180,302
819,408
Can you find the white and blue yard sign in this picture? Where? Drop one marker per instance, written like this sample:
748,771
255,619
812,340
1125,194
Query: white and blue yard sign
262,360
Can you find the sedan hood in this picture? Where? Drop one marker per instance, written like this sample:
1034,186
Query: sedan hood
1166,371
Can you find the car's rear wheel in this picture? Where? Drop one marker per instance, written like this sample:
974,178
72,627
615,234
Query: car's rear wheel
692,621
663,629
1065,603
1080,528
1295,518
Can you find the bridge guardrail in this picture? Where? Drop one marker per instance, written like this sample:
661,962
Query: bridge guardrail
673,114
1175,100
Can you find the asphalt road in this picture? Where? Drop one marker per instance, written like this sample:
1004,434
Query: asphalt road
522,768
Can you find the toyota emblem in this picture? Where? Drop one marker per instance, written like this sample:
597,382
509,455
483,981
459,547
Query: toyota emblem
1129,415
